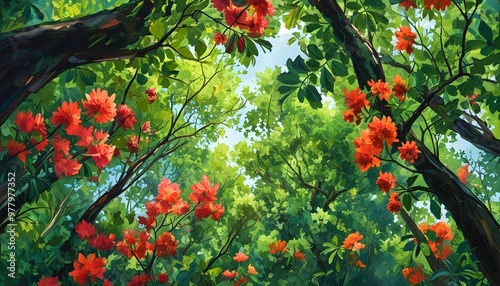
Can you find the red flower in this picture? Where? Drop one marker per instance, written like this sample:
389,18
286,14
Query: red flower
106,282
139,280
66,165
146,127
356,100
240,281
126,117
366,156
220,39
382,130
98,102
394,205
180,208
203,211
85,134
26,122
360,264
241,44
48,281
438,4
218,211
101,153
235,16
14,148
68,114
240,257
463,173
408,4
352,241
399,88
203,191
251,270
277,246
386,182
230,274
133,144
414,275
85,230
220,5
124,249
148,222
166,245
151,92
163,278
299,255
168,194
409,151
262,7
40,145
61,145
88,268
102,242
380,88
405,39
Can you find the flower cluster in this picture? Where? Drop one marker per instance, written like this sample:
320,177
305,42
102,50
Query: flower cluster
429,4
405,39
369,145
443,232
386,182
232,275
394,205
414,275
204,195
88,269
353,243
98,241
355,101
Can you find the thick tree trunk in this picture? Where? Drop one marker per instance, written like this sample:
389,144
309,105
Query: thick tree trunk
31,57
476,222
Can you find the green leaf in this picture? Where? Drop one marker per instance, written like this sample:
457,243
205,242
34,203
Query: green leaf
409,246
286,89
338,68
485,31
141,79
425,248
200,48
431,235
435,208
406,201
314,52
289,78
440,273
411,180
326,79
313,97
354,6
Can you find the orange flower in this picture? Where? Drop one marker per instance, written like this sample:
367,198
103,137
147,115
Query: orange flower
101,153
230,274
438,4
408,4
386,181
380,88
48,281
146,127
166,245
180,207
409,151
472,99
14,148
68,114
352,241
251,270
203,191
133,144
240,281
98,102
365,157
381,130
26,122
399,88
356,100
220,39
360,264
40,145
85,134
405,39
85,230
240,257
168,194
277,246
414,275
443,232
218,212
463,173
299,255
88,268
445,252
102,242
65,165
394,205
126,117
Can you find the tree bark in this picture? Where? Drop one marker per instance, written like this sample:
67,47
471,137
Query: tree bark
33,56
476,222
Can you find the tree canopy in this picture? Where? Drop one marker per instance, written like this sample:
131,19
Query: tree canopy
371,157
